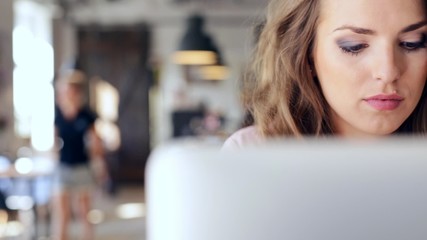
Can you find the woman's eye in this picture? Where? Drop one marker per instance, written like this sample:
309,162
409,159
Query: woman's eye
354,49
412,46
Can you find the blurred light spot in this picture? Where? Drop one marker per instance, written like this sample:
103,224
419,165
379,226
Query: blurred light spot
3,217
107,98
130,210
214,72
3,228
12,229
109,133
59,143
33,94
107,105
43,164
42,132
194,57
4,163
22,42
24,165
19,202
95,216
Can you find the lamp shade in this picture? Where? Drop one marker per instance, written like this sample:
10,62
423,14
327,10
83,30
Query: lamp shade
216,71
196,47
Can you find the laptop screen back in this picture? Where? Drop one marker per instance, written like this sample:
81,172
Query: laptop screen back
316,190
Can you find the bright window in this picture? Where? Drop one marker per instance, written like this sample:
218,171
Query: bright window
33,94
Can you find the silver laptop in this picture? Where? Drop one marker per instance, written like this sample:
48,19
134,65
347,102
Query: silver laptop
294,190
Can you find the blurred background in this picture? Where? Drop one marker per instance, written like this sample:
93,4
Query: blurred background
157,70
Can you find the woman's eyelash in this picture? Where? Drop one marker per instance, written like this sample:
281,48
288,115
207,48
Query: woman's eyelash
354,49
408,46
414,46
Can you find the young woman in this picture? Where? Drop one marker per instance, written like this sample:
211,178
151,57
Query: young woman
345,68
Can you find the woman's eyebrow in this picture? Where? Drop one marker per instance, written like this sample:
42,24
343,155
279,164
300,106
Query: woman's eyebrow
414,26
366,31
357,30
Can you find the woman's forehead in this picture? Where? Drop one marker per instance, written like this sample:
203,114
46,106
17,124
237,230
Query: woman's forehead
372,13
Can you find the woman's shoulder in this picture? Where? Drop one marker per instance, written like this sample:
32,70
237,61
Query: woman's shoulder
243,137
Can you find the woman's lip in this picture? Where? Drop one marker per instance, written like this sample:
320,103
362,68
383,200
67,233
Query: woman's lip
383,102
395,97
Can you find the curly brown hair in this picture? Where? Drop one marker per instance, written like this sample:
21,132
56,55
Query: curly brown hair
281,89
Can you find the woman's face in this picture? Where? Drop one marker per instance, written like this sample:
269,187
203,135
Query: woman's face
370,58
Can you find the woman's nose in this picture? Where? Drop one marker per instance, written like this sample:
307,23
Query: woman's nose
387,65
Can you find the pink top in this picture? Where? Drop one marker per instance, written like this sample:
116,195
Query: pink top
242,138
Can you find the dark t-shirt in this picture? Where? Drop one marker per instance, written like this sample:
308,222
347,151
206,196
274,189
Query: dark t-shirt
72,132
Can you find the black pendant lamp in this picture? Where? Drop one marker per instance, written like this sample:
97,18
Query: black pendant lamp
216,71
196,47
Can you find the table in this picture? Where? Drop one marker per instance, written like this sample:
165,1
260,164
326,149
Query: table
25,174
